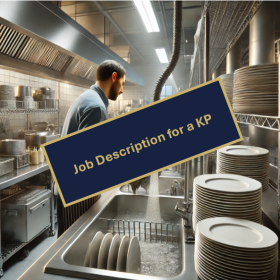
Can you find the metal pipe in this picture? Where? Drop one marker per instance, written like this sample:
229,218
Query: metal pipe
206,46
206,66
187,178
262,35
234,58
216,73
278,183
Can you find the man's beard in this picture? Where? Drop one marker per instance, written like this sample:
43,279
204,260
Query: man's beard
114,91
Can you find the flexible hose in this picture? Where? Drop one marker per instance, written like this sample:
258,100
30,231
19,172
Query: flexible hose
177,32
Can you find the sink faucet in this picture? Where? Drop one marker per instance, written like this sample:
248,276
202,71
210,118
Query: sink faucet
175,190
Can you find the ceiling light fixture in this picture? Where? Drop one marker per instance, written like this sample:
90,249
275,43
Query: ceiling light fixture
147,14
161,53
186,41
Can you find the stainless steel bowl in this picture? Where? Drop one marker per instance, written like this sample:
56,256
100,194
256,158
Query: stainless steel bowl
12,147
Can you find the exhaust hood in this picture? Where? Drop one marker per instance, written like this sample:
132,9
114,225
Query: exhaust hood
38,38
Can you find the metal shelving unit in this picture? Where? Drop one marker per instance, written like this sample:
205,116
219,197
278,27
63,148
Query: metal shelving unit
267,122
27,111
9,248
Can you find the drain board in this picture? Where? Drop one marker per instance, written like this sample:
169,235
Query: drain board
145,231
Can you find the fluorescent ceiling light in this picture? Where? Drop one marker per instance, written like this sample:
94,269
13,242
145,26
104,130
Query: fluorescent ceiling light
147,14
161,53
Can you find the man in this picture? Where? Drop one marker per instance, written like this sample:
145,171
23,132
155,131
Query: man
88,109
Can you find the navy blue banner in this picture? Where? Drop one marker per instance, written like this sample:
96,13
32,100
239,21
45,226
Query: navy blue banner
142,142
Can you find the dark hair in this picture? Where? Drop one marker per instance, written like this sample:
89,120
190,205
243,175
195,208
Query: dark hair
107,68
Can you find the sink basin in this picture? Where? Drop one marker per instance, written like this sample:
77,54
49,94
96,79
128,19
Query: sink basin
164,253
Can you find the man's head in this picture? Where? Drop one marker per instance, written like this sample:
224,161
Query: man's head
112,74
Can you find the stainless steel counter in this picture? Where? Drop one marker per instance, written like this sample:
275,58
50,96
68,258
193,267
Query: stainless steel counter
21,174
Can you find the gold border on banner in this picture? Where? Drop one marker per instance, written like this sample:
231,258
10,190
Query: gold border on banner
131,112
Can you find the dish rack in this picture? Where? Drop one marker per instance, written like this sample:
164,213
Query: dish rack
145,231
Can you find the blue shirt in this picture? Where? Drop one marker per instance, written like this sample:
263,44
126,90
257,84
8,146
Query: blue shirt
88,109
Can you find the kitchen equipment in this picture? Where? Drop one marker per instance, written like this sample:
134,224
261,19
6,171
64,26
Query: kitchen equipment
12,147
38,138
23,91
41,126
229,248
33,140
19,160
47,138
37,95
6,165
47,92
49,103
226,195
10,190
26,102
93,249
25,214
243,160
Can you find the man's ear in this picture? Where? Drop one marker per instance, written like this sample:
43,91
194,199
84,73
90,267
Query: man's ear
114,77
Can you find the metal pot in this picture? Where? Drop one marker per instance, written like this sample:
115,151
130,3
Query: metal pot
33,140
47,92
22,91
12,147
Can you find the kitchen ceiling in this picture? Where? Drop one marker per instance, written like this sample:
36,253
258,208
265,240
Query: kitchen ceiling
142,44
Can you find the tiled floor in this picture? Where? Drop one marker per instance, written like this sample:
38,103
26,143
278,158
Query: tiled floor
15,267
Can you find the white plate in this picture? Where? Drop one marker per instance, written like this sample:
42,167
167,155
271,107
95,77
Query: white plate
133,263
227,183
104,250
122,255
93,249
241,150
237,232
113,253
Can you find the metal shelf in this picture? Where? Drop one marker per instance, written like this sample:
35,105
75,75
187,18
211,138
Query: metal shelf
4,111
267,122
9,248
21,174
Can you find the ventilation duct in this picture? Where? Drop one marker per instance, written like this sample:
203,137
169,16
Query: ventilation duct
43,41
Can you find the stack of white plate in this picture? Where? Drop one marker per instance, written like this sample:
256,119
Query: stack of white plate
227,80
247,161
114,253
256,90
225,195
7,97
229,248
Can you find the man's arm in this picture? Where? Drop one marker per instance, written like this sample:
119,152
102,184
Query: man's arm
91,116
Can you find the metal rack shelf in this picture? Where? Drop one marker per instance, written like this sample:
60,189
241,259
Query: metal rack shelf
27,111
267,122
9,248
21,174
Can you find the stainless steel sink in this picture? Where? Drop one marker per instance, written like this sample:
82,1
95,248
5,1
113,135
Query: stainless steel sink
168,240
